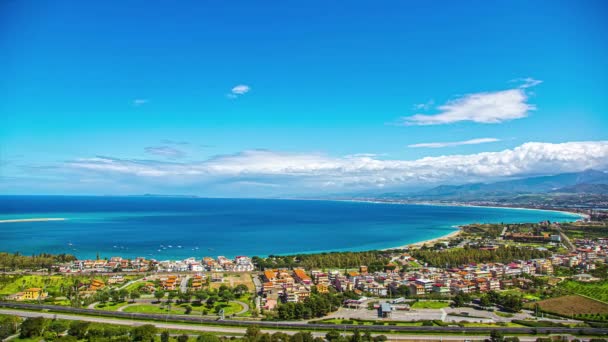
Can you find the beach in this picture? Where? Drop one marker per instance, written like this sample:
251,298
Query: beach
37,219
430,241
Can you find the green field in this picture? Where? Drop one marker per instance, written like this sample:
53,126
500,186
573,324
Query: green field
598,290
110,306
155,309
10,284
430,305
179,309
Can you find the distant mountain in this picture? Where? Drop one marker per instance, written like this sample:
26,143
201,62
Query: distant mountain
584,188
589,181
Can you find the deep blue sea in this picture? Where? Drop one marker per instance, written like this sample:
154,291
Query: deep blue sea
147,226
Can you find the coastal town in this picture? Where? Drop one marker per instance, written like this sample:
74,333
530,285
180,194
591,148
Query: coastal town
541,274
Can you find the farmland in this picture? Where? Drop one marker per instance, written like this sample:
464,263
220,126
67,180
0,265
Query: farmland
597,290
575,306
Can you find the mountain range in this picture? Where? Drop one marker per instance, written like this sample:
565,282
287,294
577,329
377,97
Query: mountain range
585,182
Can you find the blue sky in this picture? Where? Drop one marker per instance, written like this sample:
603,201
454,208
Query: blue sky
285,97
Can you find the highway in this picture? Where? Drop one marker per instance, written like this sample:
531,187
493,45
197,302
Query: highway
238,330
235,326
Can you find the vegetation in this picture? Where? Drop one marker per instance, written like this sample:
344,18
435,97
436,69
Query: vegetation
317,305
597,290
585,230
16,261
375,260
575,306
428,304
467,255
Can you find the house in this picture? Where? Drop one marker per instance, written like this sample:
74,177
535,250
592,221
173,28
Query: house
441,289
96,284
301,276
33,293
322,288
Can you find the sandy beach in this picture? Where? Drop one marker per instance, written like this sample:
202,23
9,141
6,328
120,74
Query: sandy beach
36,219
430,241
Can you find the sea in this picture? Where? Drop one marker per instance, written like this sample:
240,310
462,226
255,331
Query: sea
166,228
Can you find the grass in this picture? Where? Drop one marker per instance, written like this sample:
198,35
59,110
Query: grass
575,306
180,309
430,305
503,314
10,284
110,306
154,309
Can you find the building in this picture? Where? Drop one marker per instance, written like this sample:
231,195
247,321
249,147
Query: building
33,293
385,310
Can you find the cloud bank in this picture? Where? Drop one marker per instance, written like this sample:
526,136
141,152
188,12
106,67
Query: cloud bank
321,172
485,107
454,143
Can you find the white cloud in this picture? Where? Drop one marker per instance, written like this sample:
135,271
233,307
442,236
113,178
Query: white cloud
140,102
527,82
485,107
165,151
455,143
238,90
316,171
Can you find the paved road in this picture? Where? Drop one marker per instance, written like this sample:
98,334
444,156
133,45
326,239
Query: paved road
244,305
232,330
184,285
288,325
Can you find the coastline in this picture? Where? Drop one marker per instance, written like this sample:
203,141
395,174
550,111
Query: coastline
432,241
451,235
457,204
37,219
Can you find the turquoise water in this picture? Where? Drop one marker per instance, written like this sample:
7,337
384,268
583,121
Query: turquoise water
147,226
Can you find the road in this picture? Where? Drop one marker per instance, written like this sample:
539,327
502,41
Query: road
234,330
184,285
230,324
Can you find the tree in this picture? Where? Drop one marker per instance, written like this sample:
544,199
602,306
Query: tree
241,289
484,301
252,332
78,329
460,299
356,336
188,309
58,326
332,335
144,333
496,336
134,295
207,338
164,336
32,327
8,325
159,294
182,338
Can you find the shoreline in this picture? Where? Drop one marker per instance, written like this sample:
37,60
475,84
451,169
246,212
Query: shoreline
35,219
419,244
457,204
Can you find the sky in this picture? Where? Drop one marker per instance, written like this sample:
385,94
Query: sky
282,98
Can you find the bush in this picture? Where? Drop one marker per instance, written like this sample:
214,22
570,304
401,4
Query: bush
32,327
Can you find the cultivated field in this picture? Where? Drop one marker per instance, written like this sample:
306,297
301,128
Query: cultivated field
598,290
575,306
